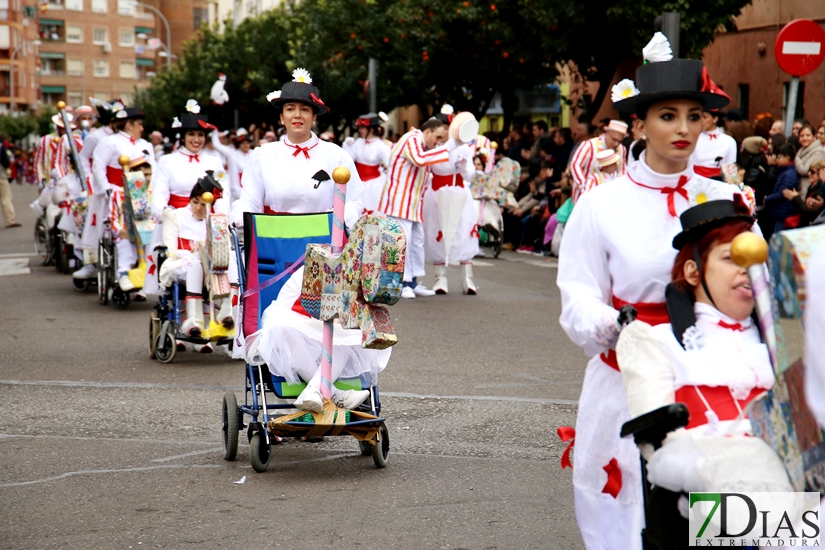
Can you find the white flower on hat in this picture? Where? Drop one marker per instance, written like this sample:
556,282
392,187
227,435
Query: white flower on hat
176,123
193,107
623,90
301,75
703,190
658,49
120,114
220,176
383,116
117,106
447,109
273,95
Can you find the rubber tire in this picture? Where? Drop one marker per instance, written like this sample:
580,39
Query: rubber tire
57,246
366,448
168,356
154,330
80,285
120,299
102,275
381,450
259,452
42,242
230,422
496,250
66,257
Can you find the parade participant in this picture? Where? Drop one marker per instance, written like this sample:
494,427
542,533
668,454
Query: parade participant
607,168
66,174
449,208
371,156
128,124
294,175
403,194
715,148
616,250
98,200
583,164
45,156
184,235
84,119
176,175
237,159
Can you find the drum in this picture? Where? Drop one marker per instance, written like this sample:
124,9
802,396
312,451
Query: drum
464,127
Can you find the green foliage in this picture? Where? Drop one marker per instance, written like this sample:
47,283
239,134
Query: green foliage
429,52
17,128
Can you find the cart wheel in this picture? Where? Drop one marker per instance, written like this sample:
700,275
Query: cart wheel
230,427
154,331
165,346
120,299
42,244
80,285
102,275
496,249
381,450
57,246
259,452
366,448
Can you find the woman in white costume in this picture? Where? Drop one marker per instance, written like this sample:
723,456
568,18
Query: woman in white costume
237,159
372,156
617,250
715,148
294,175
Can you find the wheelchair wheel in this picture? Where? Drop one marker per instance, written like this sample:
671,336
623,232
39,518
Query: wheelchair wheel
154,331
230,426
259,452
102,274
381,450
80,285
120,299
42,242
165,345
57,246
496,250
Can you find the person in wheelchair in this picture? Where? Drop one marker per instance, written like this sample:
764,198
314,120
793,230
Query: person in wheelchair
184,236
295,176
709,357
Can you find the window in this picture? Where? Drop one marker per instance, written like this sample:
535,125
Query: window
51,30
127,37
76,5
99,6
75,66
125,7
100,36
102,96
744,99
200,16
127,69
4,37
52,66
74,34
74,97
101,67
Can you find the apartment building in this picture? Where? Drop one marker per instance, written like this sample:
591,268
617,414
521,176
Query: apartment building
71,50
236,10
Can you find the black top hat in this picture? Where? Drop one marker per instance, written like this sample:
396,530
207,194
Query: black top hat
207,184
300,90
129,113
701,219
105,111
190,122
370,120
674,79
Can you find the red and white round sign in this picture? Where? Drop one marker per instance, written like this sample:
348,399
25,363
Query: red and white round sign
800,47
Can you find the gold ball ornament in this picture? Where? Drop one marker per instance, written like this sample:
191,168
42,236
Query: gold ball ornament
341,175
61,105
748,249
494,144
208,198
124,161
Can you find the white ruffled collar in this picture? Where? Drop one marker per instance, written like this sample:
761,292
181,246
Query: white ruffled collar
709,314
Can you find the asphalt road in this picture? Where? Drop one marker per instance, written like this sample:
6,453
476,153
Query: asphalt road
101,447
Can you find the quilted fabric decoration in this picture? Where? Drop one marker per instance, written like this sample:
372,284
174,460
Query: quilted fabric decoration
217,255
355,286
136,211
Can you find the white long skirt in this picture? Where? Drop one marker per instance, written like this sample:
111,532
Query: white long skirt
450,219
372,193
291,343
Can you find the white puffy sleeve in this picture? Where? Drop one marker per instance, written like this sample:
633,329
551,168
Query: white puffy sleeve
647,367
105,150
584,279
160,187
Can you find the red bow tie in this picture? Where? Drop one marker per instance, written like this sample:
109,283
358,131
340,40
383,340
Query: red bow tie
734,326
299,149
712,136
670,192
196,158
132,140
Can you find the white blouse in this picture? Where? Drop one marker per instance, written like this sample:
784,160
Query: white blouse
177,175
713,145
372,152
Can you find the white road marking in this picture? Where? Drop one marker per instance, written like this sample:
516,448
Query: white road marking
483,264
14,266
801,48
18,255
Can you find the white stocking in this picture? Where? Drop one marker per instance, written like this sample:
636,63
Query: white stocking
194,279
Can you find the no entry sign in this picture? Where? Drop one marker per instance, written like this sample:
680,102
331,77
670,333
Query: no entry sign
800,47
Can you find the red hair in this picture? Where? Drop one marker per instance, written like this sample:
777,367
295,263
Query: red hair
720,235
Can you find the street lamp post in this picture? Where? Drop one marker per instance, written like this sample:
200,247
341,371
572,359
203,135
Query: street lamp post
11,70
168,32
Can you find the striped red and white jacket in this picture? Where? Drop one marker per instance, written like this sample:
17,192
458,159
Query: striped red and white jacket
409,162
583,164
62,158
44,157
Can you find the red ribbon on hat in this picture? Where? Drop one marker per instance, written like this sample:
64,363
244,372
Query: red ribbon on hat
614,478
709,85
361,121
316,99
206,126
566,433
669,191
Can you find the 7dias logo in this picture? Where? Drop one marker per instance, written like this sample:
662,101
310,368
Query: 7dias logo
754,519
